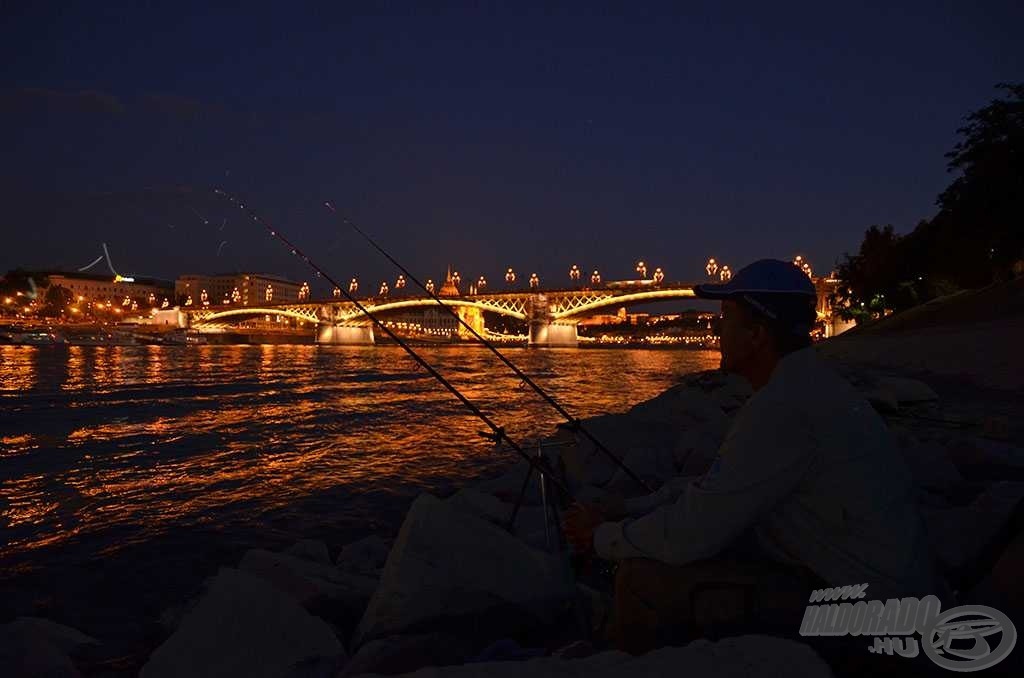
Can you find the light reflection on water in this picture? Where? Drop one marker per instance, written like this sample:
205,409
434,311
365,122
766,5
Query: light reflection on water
106,446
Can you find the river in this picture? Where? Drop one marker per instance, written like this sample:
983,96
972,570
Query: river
130,473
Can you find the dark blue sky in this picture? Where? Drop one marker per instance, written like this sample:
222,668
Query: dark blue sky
489,136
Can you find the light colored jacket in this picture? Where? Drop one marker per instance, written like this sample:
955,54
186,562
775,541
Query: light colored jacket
813,469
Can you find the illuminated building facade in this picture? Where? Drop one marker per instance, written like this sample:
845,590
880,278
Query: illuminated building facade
91,287
241,289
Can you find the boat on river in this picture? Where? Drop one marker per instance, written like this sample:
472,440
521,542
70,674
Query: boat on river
35,338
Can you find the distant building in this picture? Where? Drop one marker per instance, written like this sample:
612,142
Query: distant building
243,289
450,287
108,288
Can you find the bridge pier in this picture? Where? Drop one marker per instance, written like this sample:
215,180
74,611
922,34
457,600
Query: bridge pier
346,335
551,335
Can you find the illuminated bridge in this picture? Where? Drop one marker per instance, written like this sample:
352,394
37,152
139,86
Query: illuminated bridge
551,314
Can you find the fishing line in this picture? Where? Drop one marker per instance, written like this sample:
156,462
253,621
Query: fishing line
540,465
574,424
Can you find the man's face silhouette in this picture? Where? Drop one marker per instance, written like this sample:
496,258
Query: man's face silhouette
742,339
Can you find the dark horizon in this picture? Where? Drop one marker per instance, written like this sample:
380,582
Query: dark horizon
534,138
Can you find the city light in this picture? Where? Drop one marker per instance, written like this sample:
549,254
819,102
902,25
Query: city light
269,294
304,291
803,265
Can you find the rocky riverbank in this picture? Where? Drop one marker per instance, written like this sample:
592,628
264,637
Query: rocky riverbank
456,593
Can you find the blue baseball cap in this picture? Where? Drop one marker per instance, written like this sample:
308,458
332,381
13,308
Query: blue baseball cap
776,289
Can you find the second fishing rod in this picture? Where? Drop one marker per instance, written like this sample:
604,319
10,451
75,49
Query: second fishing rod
575,425
539,464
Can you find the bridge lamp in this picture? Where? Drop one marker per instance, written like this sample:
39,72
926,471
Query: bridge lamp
595,278
641,268
711,268
429,286
574,273
400,283
456,278
534,281
659,275
510,276
481,283
235,295
383,289
188,302
353,286
725,274
337,292
269,294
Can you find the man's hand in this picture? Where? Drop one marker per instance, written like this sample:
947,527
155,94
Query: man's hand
578,524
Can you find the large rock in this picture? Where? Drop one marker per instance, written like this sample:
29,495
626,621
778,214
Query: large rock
30,646
308,581
310,549
931,465
364,556
679,405
529,519
957,535
451,570
738,657
243,626
401,654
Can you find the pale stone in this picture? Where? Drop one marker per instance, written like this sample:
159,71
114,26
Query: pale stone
242,626
528,519
64,638
446,566
931,466
737,657
679,405
306,580
906,390
398,654
365,556
958,534
310,549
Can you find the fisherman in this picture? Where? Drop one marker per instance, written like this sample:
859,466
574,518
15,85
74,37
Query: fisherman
808,491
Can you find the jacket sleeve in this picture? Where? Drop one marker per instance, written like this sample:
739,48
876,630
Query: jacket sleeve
762,460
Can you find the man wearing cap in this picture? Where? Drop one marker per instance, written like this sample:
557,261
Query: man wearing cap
808,490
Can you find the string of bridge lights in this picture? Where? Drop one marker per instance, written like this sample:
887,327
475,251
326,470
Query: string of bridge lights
714,269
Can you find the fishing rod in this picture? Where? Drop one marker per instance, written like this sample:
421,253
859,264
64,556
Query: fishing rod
574,423
538,464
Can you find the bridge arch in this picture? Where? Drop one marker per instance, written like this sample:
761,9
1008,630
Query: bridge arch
308,316
622,300
353,314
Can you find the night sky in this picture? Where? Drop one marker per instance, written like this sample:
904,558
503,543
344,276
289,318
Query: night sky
484,136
